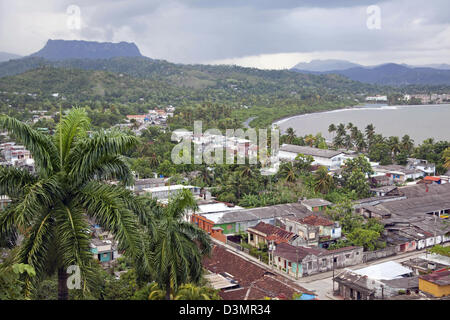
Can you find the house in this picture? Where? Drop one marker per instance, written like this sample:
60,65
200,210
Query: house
424,265
137,117
432,180
385,191
375,282
239,220
250,281
314,230
141,184
436,283
4,201
266,233
422,165
323,157
380,180
163,193
316,204
398,174
103,250
300,261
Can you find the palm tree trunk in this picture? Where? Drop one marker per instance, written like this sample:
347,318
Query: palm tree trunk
63,291
168,290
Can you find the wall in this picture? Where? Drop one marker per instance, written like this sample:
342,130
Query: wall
434,289
378,254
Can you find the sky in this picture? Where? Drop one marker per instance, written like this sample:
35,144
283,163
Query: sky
268,34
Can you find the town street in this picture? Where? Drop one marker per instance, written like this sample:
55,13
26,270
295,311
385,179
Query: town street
322,283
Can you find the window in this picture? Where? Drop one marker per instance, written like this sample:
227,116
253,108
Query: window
251,236
347,256
312,235
309,265
324,262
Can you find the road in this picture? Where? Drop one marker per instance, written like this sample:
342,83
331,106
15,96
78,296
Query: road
322,283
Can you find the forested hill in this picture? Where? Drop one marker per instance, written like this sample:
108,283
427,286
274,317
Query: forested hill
193,76
138,84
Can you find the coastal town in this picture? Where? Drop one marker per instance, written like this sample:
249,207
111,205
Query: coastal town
224,159
288,250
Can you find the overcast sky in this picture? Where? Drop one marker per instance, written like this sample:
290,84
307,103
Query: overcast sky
257,33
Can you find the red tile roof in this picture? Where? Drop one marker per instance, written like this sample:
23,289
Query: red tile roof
315,220
441,278
255,281
273,233
430,178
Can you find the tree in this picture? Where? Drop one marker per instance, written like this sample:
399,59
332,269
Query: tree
190,291
364,238
178,246
303,163
344,213
290,135
370,132
51,208
361,163
407,144
446,158
357,184
11,286
289,172
323,181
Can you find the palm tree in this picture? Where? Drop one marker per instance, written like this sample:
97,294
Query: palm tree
446,158
394,145
190,291
310,140
331,128
51,208
340,130
370,132
407,144
289,172
179,245
323,181
290,135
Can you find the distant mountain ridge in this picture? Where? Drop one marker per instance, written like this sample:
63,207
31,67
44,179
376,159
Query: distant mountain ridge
5,56
325,65
78,49
391,74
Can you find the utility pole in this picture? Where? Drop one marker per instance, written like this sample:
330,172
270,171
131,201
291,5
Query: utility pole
333,273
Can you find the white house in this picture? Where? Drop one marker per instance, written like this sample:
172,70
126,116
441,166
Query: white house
329,158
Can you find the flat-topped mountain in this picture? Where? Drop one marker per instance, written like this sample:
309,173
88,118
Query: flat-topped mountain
77,49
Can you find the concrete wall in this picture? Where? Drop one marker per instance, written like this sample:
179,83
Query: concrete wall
378,254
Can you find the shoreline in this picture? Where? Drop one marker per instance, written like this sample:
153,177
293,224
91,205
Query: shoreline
374,112
284,119
357,107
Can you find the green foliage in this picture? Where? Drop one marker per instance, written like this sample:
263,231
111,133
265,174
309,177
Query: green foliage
12,286
438,249
53,206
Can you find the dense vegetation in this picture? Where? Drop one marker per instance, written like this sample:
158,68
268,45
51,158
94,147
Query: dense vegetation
47,223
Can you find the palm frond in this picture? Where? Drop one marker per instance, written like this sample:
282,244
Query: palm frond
87,153
35,247
13,180
73,241
40,145
74,124
37,198
104,203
